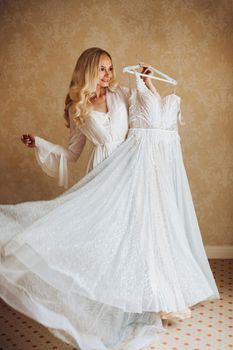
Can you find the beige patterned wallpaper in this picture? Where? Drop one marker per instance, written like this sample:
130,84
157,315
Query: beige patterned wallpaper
191,40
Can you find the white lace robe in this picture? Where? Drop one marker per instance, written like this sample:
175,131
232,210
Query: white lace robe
105,131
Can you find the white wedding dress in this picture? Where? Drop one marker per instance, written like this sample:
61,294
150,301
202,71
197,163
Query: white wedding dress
98,264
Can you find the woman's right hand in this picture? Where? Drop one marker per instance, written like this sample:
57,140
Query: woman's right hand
28,140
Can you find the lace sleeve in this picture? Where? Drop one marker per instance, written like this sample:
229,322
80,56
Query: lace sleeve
53,158
126,91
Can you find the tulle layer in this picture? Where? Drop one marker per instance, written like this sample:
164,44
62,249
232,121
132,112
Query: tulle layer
113,251
75,319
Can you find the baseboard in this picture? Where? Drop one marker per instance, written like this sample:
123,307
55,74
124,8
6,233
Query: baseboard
219,251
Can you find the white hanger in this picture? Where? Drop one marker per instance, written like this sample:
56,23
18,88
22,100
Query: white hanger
132,69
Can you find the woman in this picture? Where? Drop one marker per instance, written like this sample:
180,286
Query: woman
96,108
111,253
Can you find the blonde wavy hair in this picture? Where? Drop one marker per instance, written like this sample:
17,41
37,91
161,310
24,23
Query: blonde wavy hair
83,85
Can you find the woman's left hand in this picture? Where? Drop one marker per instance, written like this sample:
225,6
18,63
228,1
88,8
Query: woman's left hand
148,82
146,70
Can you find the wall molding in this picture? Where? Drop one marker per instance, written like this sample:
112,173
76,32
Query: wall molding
219,251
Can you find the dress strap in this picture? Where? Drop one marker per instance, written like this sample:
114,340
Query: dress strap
179,115
180,119
174,89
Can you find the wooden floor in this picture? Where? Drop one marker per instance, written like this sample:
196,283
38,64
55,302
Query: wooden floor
209,328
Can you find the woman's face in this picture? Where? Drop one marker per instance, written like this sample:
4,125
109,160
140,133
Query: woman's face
105,71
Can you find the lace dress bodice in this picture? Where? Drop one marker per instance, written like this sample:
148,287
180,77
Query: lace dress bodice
150,111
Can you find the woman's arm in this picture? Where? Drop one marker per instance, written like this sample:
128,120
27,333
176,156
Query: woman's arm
147,81
53,158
